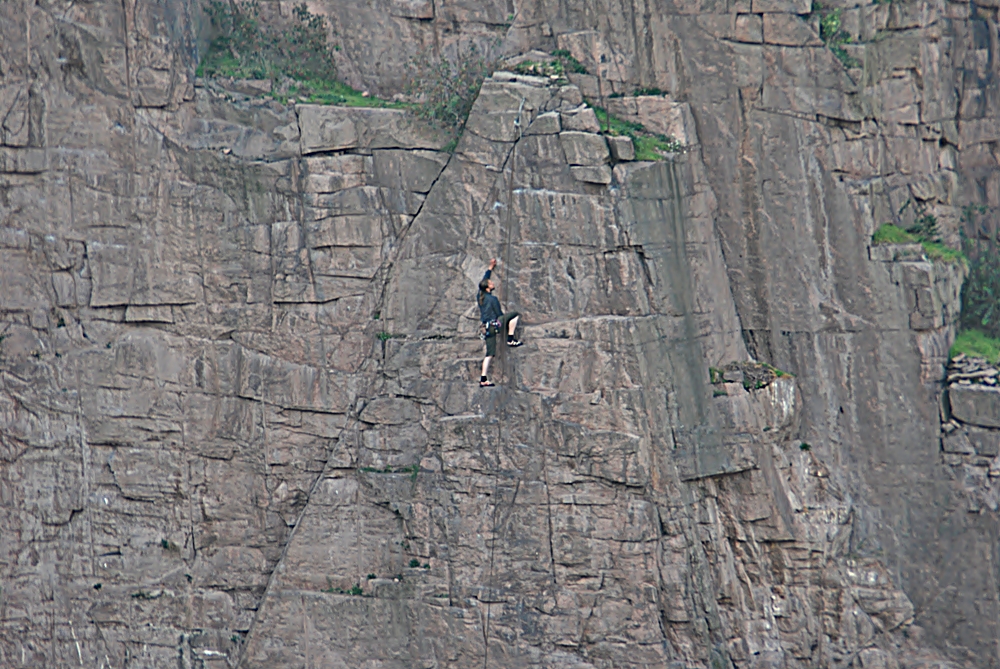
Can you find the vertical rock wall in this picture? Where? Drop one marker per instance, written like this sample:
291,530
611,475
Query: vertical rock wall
237,346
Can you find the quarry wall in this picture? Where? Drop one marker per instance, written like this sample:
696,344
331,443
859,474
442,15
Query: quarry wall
240,423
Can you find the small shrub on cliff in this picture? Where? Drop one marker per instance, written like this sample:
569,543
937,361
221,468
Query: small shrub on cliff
245,47
446,90
835,38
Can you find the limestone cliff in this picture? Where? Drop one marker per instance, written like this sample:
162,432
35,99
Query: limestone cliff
240,424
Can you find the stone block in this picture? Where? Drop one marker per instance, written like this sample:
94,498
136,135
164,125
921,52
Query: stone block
412,9
143,474
622,148
975,404
899,99
65,287
408,170
978,131
545,124
781,6
149,314
582,118
331,183
499,105
584,148
789,30
390,411
111,267
587,84
896,252
659,114
985,442
957,442
23,161
749,28
326,128
322,130
592,174
153,86
571,95
353,230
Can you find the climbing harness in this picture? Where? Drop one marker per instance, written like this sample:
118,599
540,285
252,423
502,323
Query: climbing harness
489,329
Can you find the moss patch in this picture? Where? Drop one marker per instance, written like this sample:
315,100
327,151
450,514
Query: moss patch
933,249
974,343
891,234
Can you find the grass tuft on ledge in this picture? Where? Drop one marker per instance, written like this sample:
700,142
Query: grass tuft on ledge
934,250
891,234
975,344
648,145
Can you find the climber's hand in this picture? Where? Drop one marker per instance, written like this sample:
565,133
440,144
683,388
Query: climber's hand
493,263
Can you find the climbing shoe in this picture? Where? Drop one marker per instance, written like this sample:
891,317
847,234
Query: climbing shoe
513,342
486,384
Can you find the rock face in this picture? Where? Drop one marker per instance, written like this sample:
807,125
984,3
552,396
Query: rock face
970,430
240,424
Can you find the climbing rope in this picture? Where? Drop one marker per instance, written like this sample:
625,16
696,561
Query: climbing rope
506,390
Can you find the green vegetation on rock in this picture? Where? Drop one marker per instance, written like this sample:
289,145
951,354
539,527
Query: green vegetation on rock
648,145
321,92
552,68
975,344
981,290
924,232
245,47
892,234
294,55
569,63
447,90
938,252
834,37
981,294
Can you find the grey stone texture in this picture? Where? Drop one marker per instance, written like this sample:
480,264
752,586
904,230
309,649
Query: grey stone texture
584,148
239,349
621,148
970,436
597,174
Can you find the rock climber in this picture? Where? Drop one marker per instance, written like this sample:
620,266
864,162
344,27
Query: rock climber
491,320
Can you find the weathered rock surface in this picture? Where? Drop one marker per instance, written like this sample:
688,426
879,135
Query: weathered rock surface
975,404
970,434
238,345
